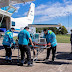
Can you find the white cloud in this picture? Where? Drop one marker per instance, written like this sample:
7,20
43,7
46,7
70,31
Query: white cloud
69,28
26,3
48,12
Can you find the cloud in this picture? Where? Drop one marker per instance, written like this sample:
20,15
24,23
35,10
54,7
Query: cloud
26,3
68,29
48,12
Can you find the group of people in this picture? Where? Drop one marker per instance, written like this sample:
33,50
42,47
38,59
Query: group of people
23,39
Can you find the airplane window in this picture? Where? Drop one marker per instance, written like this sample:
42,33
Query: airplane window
13,23
5,8
11,10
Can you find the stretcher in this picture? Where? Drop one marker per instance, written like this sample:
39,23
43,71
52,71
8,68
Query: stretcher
39,47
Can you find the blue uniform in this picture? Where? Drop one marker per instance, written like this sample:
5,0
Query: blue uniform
51,38
8,38
23,37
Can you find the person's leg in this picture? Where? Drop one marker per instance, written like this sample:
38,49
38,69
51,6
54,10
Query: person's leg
6,50
53,52
10,53
27,49
48,53
22,55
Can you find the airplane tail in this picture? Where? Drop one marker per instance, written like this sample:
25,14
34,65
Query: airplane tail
30,14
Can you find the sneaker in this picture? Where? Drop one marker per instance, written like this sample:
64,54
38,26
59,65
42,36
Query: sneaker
29,65
6,58
21,64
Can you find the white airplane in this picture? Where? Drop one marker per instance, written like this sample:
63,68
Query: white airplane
24,21
20,23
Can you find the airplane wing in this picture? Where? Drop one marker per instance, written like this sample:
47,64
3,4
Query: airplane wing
4,3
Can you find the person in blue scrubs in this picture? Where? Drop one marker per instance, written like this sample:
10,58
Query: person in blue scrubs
24,38
7,43
51,41
71,41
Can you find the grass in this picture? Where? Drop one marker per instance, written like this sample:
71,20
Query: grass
63,38
60,38
15,38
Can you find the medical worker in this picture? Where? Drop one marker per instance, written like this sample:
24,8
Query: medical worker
7,43
51,41
24,38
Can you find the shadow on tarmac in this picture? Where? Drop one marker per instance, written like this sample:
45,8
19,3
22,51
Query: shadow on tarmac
64,56
4,62
54,63
59,55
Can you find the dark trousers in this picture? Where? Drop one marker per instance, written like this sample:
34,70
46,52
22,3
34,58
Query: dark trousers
71,46
53,52
25,49
8,50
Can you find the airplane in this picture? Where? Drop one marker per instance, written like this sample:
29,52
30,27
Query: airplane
21,22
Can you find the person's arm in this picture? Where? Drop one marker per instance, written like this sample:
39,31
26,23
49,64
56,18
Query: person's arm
29,37
52,38
18,36
31,41
11,38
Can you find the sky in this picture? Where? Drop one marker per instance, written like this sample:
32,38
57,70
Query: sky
48,12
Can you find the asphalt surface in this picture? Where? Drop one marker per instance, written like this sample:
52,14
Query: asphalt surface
62,63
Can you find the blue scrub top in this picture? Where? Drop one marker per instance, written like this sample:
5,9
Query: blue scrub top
51,38
8,38
23,37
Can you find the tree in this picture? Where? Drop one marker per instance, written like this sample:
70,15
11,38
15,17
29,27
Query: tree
60,30
63,30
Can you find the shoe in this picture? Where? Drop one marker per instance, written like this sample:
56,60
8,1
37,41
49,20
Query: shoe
6,58
29,65
21,64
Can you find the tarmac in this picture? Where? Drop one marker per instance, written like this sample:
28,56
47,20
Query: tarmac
62,63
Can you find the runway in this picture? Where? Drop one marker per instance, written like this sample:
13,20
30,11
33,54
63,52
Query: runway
63,61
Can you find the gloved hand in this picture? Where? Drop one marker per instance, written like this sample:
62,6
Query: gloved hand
49,44
13,46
